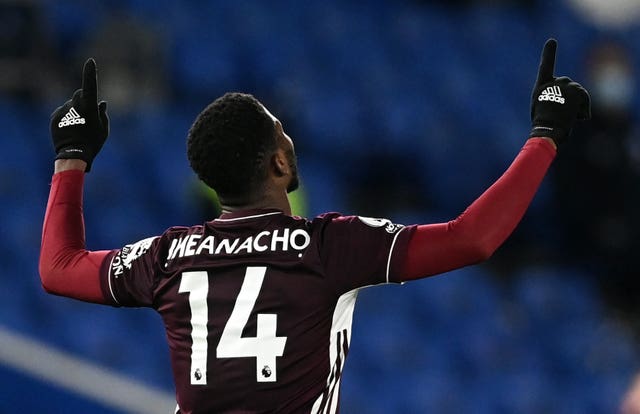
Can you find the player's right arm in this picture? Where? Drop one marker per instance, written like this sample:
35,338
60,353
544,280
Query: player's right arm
67,268
475,235
79,128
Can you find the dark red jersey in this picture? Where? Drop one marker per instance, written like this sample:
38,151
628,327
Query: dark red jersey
258,307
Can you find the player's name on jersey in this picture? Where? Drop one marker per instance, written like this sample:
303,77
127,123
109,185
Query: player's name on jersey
280,240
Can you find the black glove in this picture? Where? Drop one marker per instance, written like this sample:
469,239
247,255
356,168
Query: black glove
80,127
556,103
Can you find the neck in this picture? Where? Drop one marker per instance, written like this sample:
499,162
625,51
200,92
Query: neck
269,199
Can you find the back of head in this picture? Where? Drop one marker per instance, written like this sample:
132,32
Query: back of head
230,144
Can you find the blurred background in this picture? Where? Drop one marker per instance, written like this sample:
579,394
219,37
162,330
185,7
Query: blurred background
398,109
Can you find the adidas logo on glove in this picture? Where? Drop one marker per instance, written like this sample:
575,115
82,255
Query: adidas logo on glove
73,118
552,93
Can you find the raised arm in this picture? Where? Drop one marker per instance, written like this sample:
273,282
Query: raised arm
78,129
476,234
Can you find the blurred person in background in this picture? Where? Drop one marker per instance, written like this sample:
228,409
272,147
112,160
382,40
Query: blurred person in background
258,303
23,20
631,401
135,71
597,183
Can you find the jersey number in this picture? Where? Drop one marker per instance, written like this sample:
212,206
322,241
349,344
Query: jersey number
265,346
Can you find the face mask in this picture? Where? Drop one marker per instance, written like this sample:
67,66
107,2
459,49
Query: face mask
613,87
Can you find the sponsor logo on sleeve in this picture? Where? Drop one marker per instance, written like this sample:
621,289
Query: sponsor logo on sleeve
389,226
125,257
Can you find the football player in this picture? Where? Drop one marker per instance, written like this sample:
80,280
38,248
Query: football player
258,303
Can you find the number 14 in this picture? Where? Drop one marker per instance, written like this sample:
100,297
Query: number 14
265,346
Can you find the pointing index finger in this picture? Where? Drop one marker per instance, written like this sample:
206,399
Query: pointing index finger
547,61
89,80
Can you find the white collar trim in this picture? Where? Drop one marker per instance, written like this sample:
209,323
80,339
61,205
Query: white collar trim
249,217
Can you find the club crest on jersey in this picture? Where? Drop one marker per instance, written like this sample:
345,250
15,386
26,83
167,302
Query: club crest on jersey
128,254
389,226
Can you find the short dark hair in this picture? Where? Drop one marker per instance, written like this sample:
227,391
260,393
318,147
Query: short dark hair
230,144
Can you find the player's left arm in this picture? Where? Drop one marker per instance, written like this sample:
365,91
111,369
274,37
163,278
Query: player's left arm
79,128
478,232
556,104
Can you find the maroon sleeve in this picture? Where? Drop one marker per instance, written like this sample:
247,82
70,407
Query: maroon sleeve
362,251
66,267
486,223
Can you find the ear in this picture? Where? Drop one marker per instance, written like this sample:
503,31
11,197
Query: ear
279,163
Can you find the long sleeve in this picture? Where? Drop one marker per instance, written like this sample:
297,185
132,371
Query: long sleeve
66,267
486,223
